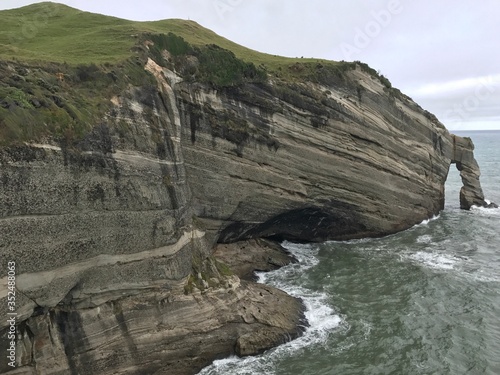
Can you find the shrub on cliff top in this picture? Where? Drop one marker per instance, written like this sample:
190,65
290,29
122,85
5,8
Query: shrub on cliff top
221,68
174,44
216,66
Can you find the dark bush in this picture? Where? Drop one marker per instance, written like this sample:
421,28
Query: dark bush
87,73
174,44
209,64
222,68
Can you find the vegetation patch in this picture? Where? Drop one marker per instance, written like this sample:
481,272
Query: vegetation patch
223,268
60,101
210,64
207,272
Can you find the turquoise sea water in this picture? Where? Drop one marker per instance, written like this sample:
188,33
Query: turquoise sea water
424,301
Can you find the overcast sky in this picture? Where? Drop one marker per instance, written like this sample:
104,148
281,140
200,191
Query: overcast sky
444,54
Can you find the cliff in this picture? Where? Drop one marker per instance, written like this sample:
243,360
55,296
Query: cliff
115,196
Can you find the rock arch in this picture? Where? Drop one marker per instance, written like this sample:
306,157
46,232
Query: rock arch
471,193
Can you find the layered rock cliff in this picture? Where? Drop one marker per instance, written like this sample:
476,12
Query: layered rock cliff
113,234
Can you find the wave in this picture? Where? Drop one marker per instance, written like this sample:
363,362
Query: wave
320,315
426,239
426,221
393,235
463,266
484,277
487,212
434,260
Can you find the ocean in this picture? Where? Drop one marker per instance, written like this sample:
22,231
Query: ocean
423,301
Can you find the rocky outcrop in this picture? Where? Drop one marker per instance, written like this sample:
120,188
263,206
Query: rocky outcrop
113,236
158,332
471,194
246,257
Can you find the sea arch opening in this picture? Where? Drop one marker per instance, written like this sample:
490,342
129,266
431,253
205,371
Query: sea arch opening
452,187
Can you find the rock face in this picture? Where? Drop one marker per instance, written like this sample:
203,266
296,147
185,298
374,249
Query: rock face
471,194
325,163
159,332
113,238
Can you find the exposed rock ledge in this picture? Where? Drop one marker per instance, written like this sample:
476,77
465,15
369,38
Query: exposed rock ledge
244,258
160,332
113,238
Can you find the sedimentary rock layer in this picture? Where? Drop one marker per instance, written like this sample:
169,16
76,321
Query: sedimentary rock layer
360,165
162,332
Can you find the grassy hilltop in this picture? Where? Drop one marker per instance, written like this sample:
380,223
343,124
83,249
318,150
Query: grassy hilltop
59,67
58,33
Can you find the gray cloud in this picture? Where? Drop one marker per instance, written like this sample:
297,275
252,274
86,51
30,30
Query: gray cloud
420,44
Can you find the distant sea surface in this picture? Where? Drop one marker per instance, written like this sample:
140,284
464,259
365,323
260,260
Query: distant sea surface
423,301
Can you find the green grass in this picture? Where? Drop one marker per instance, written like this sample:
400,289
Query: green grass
58,33
35,104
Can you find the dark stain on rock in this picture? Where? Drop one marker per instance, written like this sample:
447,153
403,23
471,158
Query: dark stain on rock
122,324
96,193
161,151
194,119
25,154
73,338
99,139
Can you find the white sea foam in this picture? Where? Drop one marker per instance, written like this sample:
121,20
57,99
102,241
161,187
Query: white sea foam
356,241
321,318
427,221
483,211
364,240
434,260
485,278
424,239
463,265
